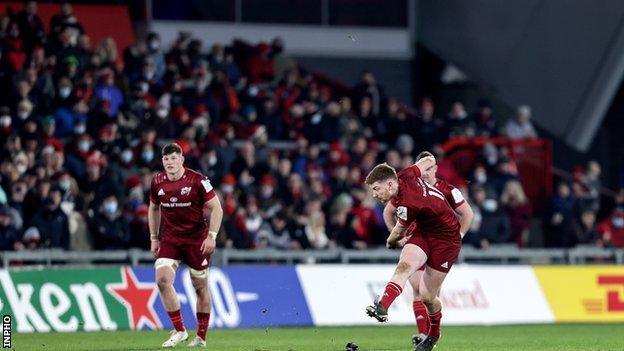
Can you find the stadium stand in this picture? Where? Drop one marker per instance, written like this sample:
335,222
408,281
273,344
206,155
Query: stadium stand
287,148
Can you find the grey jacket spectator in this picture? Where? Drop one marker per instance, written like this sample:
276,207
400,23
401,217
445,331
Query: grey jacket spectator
276,234
521,127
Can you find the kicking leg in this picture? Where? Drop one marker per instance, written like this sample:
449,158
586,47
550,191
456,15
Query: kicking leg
412,257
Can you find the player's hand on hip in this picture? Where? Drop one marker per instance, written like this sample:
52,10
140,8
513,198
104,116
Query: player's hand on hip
208,246
154,247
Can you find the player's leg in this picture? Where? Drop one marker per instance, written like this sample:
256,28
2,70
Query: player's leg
412,257
200,284
165,266
421,315
442,256
198,269
429,288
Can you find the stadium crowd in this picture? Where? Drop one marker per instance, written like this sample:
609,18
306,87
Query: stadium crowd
81,130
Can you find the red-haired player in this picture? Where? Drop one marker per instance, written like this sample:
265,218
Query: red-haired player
437,244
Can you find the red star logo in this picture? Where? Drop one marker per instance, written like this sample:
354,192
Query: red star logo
138,298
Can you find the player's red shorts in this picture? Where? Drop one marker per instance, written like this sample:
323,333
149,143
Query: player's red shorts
185,250
441,252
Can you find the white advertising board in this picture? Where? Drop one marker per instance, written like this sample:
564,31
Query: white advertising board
471,294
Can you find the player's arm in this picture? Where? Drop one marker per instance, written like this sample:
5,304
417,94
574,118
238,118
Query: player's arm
388,215
213,207
396,234
421,166
464,211
216,215
153,220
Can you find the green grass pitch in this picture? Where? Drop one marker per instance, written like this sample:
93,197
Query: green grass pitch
571,337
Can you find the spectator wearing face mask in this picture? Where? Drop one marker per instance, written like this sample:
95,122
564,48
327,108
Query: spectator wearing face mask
147,156
490,225
66,119
154,51
611,229
480,176
125,164
6,121
109,228
51,222
24,113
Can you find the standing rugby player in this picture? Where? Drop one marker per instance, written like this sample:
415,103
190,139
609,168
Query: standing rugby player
184,218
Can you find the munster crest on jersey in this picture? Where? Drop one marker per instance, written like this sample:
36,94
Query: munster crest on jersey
186,190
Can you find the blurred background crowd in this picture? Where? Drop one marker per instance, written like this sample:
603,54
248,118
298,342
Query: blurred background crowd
82,123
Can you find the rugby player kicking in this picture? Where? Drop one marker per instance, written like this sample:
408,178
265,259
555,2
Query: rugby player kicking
436,242
465,214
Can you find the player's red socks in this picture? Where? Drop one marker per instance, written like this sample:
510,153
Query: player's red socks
176,319
435,318
422,317
202,324
392,291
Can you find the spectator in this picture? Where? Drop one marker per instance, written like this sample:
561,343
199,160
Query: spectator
491,225
521,127
109,228
51,222
561,221
427,129
484,121
315,226
277,234
518,209
106,51
260,66
591,180
368,87
282,63
65,19
458,124
30,26
106,91
587,232
611,229
9,237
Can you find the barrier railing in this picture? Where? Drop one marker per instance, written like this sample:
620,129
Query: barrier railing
502,254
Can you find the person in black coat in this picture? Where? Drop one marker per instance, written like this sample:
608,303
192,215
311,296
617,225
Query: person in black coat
51,222
109,228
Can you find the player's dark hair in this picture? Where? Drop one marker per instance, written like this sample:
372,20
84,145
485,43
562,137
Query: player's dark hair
423,155
381,172
172,148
